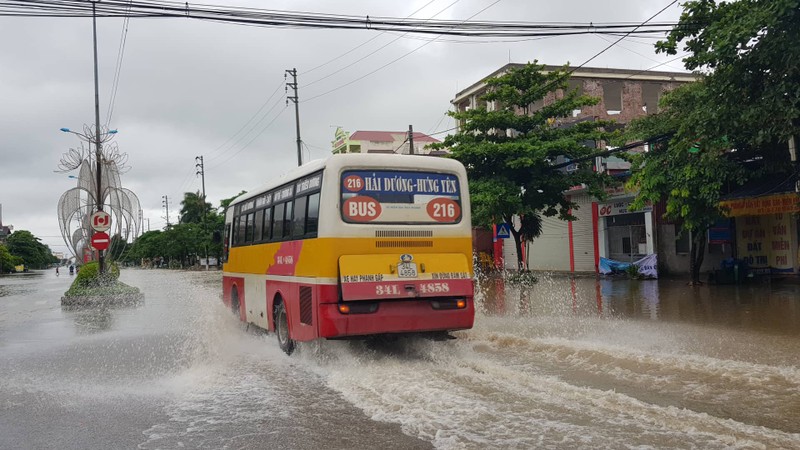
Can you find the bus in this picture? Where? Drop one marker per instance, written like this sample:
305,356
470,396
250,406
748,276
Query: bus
353,246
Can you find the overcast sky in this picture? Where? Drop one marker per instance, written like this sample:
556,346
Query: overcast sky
187,87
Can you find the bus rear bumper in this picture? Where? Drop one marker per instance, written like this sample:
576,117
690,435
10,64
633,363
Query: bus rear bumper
410,316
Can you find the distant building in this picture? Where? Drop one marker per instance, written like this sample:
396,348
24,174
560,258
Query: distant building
5,231
382,142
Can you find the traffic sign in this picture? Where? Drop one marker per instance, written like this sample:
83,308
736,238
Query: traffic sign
100,221
503,231
100,240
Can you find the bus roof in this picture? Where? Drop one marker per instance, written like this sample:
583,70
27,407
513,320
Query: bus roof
356,160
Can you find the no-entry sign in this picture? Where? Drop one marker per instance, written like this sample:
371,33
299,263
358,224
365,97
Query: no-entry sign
100,240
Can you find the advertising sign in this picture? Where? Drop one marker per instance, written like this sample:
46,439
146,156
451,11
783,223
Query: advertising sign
400,197
619,207
764,242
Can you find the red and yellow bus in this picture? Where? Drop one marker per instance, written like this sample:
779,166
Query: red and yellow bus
355,245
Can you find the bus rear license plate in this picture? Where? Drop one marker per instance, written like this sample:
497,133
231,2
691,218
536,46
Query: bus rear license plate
407,270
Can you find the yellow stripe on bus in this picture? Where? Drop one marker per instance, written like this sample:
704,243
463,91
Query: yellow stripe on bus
319,257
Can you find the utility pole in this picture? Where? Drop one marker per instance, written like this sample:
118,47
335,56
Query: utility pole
294,98
201,171
165,203
97,147
410,140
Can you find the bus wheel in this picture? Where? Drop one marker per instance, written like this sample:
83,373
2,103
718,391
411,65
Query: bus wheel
235,302
282,329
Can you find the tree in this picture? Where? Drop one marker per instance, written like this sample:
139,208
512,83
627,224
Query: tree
688,170
510,150
193,208
7,261
34,254
750,50
225,202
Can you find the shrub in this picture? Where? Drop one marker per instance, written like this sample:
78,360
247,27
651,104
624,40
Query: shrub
89,275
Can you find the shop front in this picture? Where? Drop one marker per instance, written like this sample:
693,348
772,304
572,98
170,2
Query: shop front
766,232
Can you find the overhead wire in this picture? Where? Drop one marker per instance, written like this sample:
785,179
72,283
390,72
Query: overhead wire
297,20
118,69
251,140
337,58
213,156
379,48
392,61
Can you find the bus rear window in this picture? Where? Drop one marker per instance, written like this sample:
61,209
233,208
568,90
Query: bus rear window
394,196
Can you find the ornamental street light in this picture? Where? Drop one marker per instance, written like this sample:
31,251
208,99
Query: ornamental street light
98,138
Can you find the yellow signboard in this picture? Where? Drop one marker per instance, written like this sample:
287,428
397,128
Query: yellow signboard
759,206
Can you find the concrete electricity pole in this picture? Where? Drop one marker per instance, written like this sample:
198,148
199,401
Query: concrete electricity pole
410,140
97,146
201,171
165,203
294,98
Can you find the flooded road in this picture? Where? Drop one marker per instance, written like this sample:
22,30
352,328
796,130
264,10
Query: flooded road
564,364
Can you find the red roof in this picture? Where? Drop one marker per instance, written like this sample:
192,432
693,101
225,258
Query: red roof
388,136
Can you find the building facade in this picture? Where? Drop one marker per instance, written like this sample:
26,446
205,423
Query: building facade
383,142
608,229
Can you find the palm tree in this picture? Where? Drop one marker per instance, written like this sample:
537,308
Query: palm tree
193,208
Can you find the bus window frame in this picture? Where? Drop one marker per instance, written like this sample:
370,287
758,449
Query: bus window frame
287,195
340,192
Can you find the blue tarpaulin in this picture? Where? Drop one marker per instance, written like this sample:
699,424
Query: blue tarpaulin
648,266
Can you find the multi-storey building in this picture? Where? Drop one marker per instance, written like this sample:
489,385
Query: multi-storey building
608,229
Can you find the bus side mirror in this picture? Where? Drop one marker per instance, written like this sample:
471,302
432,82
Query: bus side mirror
216,237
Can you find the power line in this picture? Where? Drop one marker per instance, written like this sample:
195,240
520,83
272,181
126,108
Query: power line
297,20
394,60
381,47
251,140
261,108
362,44
118,69
624,36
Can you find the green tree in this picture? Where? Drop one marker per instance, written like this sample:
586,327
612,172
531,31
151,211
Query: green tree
7,262
750,50
688,170
510,151
225,202
118,248
147,246
193,208
34,254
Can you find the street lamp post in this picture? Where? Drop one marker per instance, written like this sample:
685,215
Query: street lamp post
97,139
97,147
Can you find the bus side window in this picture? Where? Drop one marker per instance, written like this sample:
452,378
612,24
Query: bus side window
241,229
267,224
235,232
312,218
287,221
259,224
226,243
299,221
277,221
249,230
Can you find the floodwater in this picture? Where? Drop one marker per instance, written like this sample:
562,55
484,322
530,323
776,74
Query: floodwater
566,363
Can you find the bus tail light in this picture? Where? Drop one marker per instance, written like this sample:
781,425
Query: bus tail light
358,308
451,303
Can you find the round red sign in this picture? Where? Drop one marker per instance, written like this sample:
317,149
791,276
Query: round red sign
100,240
353,183
444,210
361,208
